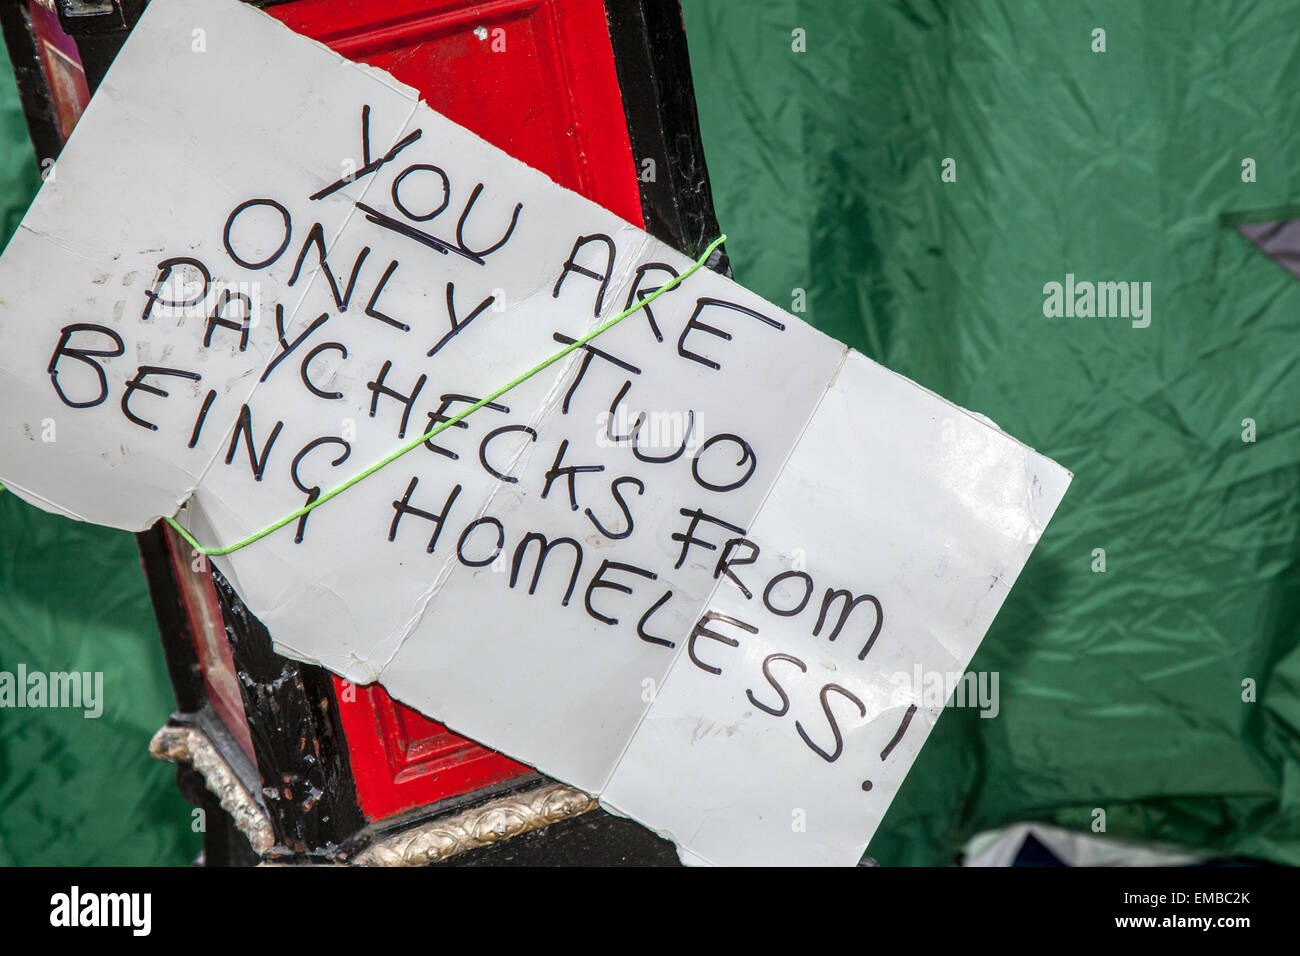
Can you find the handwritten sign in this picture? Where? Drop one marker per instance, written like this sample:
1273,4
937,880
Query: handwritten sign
680,568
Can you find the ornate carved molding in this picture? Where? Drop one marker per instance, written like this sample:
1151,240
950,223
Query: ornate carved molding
438,839
190,745
430,841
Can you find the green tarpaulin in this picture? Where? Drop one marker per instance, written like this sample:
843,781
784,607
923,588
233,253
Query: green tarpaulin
827,126
1121,690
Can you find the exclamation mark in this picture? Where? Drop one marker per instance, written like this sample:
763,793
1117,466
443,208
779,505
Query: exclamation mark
898,735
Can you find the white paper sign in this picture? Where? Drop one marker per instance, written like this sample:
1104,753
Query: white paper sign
683,568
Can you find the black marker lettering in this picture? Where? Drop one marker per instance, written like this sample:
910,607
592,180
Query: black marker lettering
830,718
244,427
164,273
84,355
568,472
638,293
385,221
371,306
545,549
441,416
898,734
767,672
695,323
404,507
689,538
618,498
850,602
590,352
469,529
613,413
418,168
726,562
700,630
640,625
369,165
571,266
598,581
487,440
776,581
479,254
456,326
746,455
306,364
230,222
218,318
408,401
138,383
313,492
316,237
662,459
287,347
203,417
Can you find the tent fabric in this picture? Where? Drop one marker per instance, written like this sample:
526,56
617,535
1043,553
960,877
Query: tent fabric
1034,844
1277,239
1120,691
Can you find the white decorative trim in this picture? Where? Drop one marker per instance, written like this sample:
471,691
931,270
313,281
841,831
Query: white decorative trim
430,841
191,745
500,819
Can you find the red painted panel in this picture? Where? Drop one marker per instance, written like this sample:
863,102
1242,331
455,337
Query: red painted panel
208,633
61,64
402,759
535,78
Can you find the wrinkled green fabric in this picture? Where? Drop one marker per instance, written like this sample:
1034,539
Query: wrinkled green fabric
77,790
1122,690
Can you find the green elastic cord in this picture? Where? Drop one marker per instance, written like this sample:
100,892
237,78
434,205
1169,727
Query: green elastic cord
417,442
